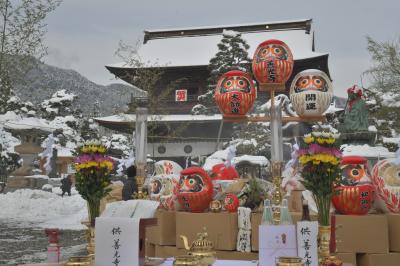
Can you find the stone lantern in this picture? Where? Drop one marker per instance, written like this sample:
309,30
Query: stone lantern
31,136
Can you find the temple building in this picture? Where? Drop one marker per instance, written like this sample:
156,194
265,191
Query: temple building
184,53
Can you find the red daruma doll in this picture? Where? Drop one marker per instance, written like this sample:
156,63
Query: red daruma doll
356,195
195,189
235,94
272,65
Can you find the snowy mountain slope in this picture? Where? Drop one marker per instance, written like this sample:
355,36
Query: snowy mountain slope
41,82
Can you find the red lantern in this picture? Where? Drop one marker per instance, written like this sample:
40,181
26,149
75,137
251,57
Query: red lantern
272,65
222,172
231,202
356,196
235,94
195,189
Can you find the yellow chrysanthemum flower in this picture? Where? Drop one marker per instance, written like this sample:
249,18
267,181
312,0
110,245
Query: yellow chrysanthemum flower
308,139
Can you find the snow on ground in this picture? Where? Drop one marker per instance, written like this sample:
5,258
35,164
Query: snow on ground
37,208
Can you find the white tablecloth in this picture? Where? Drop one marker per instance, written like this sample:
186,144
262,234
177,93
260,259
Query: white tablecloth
170,261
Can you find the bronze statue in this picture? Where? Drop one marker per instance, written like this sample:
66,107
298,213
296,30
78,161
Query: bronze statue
355,124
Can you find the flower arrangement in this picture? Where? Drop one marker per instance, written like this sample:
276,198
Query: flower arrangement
93,170
319,156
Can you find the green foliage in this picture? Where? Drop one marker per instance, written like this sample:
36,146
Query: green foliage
232,55
384,93
385,71
254,194
259,133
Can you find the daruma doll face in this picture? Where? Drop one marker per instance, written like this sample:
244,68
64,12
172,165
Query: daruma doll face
235,93
311,92
195,189
272,63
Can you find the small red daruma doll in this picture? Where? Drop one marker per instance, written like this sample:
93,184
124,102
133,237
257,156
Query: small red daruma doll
231,202
356,196
195,189
272,65
235,94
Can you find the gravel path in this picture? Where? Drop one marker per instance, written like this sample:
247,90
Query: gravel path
29,245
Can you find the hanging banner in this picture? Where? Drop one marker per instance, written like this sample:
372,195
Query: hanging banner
307,245
181,95
117,242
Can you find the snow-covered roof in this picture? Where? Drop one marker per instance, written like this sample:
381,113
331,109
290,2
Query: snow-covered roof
260,160
131,118
197,50
28,123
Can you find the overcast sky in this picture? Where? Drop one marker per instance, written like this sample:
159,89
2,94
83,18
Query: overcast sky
84,34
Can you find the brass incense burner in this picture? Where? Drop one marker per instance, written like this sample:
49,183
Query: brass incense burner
201,247
187,260
289,261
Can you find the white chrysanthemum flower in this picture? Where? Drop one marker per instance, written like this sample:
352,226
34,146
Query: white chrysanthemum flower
317,134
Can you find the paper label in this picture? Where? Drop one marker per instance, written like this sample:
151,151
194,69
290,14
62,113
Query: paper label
117,242
276,241
307,245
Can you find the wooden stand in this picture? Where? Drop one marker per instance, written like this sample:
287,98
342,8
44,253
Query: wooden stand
142,237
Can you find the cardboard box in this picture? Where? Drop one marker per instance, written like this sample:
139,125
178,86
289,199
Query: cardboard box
350,258
390,259
394,232
222,228
256,221
236,255
165,231
295,202
362,234
150,250
172,251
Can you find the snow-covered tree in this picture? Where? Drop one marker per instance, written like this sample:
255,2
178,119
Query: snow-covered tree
58,105
89,129
9,159
118,144
383,96
232,55
16,105
22,29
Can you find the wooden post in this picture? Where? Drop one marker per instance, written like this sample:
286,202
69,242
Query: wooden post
142,237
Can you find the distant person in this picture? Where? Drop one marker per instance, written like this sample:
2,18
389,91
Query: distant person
130,185
66,184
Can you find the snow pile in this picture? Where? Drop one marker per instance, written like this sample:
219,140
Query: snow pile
44,209
221,156
366,151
